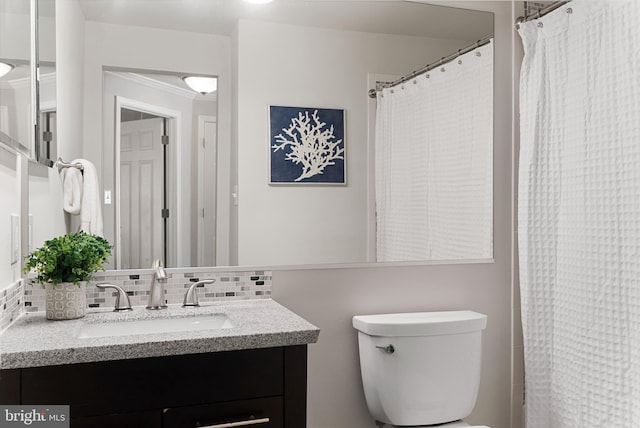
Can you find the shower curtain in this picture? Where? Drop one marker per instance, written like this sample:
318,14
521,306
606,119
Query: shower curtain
579,216
433,163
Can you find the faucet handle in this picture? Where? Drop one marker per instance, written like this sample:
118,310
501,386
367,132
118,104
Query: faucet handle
159,271
191,296
122,299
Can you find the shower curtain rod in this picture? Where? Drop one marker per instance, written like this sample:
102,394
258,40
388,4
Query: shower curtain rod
445,59
540,13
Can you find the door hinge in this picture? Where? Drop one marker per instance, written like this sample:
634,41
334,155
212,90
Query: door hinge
165,140
165,213
47,136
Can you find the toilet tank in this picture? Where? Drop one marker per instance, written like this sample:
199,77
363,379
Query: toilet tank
431,372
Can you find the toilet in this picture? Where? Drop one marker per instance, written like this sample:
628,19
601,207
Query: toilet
421,369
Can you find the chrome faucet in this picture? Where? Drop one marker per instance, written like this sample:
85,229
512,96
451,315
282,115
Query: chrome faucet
159,278
191,296
122,299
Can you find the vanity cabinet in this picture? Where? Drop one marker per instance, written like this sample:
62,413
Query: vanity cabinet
261,388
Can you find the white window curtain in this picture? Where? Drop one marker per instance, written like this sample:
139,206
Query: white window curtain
579,216
434,163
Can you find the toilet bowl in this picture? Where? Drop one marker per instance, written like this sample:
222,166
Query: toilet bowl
457,424
421,369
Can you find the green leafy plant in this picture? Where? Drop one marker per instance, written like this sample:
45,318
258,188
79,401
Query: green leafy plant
73,257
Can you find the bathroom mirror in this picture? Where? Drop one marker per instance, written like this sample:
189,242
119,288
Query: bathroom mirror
316,54
15,74
22,96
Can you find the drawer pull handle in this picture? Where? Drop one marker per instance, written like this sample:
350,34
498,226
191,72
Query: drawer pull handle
239,423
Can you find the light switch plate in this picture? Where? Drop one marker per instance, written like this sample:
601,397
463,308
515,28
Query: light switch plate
107,197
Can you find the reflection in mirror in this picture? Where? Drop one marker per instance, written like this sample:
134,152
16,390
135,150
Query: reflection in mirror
15,73
46,136
327,68
434,160
156,116
288,53
16,96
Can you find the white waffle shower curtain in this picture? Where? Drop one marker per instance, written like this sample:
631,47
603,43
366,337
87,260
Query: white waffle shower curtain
579,216
433,164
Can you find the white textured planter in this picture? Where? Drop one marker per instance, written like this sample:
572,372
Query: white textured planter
66,301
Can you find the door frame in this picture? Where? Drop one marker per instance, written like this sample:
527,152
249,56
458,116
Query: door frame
173,241
201,185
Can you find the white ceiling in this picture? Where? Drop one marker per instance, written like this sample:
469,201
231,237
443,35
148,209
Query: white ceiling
220,16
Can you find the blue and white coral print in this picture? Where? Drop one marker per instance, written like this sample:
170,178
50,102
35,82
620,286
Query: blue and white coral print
307,145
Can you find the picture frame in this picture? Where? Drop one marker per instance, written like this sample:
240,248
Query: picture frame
307,145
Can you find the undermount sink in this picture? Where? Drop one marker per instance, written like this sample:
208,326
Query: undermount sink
163,325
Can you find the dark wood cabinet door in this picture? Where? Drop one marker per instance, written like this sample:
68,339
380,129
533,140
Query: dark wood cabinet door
10,386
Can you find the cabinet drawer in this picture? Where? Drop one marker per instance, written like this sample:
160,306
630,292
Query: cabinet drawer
259,413
123,386
149,419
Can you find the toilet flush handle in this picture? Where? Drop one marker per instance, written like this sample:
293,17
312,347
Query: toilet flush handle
389,349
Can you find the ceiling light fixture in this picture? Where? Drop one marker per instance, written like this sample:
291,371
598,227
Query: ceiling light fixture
201,84
5,68
258,1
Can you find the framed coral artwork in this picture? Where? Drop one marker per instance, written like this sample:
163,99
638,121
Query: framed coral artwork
306,145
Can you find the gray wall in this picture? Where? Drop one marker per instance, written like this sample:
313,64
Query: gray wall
330,297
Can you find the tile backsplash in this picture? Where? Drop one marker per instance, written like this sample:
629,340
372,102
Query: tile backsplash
11,299
228,285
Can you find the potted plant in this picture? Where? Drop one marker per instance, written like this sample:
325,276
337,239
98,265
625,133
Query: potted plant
64,265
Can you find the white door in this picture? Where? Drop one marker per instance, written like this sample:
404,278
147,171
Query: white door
141,193
207,134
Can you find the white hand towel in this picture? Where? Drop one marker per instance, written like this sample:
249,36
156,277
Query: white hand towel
91,208
71,190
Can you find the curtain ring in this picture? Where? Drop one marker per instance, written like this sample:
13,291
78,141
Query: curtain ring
442,69
540,25
459,61
426,75
478,54
569,10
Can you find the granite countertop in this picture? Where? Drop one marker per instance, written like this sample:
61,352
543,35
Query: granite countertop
34,341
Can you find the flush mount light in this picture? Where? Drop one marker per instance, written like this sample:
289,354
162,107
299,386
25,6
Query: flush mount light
5,68
204,85
258,1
